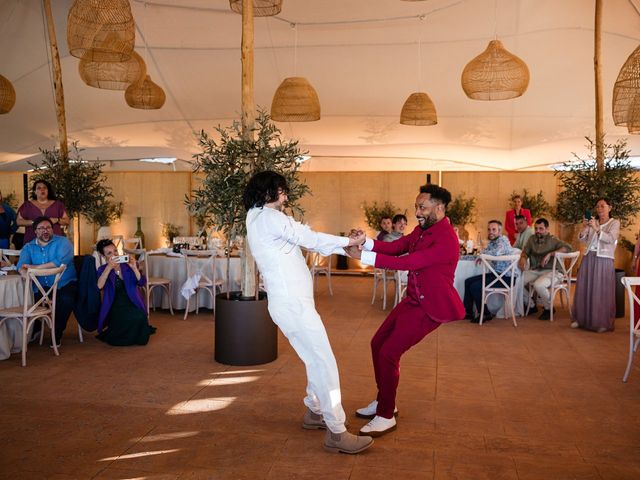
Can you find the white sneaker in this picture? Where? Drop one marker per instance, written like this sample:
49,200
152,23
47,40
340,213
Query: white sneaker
378,426
370,410
574,325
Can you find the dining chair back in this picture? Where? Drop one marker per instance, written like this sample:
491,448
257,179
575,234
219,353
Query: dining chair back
319,265
634,320
563,264
202,273
145,265
43,309
502,283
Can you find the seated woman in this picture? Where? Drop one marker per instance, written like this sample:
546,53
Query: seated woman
122,310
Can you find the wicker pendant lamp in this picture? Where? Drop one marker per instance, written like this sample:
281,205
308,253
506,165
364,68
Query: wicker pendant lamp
7,95
295,100
102,29
626,89
145,95
633,116
495,74
261,8
112,75
418,110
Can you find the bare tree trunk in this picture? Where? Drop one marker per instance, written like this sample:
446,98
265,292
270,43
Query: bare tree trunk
57,81
598,84
248,122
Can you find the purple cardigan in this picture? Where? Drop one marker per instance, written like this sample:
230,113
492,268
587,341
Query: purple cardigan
131,285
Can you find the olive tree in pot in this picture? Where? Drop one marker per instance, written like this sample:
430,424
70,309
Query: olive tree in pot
245,334
79,184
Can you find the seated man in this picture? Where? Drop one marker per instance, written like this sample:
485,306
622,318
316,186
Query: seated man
398,224
523,232
50,251
498,245
540,249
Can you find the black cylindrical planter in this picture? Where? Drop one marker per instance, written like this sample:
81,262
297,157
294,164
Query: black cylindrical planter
244,331
619,293
341,263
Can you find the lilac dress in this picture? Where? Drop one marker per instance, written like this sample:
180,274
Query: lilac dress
28,211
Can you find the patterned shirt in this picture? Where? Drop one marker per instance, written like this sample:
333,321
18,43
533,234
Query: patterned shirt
499,246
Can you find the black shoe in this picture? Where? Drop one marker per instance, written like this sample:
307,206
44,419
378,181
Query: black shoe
468,316
546,315
533,310
475,319
487,316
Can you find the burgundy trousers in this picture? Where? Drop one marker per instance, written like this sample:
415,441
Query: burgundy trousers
405,326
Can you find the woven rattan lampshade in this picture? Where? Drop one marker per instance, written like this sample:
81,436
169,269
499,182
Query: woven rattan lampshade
112,75
633,116
7,95
261,8
102,28
626,89
145,95
495,74
418,110
295,100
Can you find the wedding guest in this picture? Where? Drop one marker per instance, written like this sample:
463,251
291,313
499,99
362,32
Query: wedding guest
43,202
8,224
524,232
398,224
50,251
122,310
510,218
385,227
594,301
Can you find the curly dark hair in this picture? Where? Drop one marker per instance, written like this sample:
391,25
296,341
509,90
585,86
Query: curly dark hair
263,188
51,193
437,193
102,244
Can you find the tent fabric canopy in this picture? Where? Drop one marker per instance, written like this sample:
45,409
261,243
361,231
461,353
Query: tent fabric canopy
360,56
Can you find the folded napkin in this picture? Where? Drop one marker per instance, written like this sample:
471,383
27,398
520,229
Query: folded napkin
189,286
9,268
2,272
173,254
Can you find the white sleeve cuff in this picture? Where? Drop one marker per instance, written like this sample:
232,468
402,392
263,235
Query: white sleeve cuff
368,258
368,244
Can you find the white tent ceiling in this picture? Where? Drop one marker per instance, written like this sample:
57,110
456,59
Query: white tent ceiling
362,58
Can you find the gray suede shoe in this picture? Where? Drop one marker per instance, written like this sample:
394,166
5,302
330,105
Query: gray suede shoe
346,442
313,421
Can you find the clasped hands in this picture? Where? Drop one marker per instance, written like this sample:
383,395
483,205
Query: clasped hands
356,241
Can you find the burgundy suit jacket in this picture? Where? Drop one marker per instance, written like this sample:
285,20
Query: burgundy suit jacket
432,257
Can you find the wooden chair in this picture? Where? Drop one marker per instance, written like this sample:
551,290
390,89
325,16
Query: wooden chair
204,273
144,260
499,285
634,325
561,277
43,309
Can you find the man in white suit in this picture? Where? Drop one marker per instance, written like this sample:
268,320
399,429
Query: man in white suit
275,240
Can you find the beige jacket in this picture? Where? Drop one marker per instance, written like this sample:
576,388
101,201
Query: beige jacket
607,239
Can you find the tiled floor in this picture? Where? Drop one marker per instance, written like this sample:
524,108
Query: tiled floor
541,401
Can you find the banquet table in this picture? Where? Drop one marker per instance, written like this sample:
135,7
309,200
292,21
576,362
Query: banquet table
11,295
174,268
467,267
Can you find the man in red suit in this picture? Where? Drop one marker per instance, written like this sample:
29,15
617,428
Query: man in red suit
431,257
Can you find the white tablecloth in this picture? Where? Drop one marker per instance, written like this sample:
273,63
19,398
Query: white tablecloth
11,295
468,268
175,269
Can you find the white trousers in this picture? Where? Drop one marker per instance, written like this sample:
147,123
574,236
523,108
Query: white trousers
303,327
541,281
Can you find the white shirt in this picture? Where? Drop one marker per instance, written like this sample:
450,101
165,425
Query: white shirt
275,240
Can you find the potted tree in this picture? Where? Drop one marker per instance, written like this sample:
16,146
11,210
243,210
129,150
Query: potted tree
105,214
244,333
79,184
583,184
461,211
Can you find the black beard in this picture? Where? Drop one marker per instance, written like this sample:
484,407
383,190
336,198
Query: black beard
428,223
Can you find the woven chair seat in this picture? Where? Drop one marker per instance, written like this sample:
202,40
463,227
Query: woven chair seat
17,312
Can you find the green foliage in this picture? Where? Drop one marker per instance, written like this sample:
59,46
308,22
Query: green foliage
374,213
229,163
170,231
11,200
626,244
462,210
583,185
536,204
78,184
106,213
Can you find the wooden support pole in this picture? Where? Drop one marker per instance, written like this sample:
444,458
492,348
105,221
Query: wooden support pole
248,122
57,81
598,84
